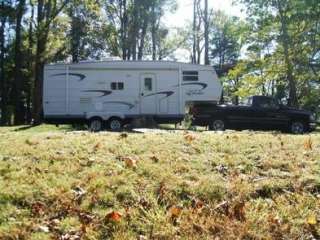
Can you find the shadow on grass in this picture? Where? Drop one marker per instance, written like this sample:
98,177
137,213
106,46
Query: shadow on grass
25,128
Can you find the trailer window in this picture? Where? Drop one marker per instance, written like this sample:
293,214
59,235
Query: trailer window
190,76
148,84
120,85
117,86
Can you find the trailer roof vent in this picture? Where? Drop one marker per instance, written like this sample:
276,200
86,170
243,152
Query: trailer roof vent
190,76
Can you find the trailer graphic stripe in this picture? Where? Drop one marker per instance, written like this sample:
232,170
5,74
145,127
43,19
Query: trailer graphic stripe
203,85
104,92
167,93
130,105
80,76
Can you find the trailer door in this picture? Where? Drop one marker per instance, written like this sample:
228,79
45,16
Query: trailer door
148,96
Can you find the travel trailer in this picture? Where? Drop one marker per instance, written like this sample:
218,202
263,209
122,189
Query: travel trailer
113,93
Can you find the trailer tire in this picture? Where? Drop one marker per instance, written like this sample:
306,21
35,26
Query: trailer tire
217,125
115,124
95,124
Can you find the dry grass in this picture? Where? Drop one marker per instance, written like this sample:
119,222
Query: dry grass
56,184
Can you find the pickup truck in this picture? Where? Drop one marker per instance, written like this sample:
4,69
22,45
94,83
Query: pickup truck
258,112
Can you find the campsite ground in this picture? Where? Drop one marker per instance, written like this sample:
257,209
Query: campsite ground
61,184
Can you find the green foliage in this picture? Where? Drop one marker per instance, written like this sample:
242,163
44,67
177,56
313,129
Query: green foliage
282,40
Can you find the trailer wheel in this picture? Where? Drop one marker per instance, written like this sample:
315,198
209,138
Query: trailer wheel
115,124
297,128
217,125
95,124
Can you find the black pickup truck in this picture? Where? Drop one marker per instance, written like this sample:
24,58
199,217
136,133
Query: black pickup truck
258,112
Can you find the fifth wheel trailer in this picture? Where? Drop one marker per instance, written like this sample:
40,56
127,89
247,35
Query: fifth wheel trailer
115,92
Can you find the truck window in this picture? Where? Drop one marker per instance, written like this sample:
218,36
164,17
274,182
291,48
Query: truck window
268,103
190,76
247,102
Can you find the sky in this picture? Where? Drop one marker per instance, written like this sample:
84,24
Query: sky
184,14
185,9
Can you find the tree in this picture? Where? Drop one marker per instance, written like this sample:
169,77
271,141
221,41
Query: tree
137,22
17,88
87,30
286,27
206,33
6,16
227,38
47,11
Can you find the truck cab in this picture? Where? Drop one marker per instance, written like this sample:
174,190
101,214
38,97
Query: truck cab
256,112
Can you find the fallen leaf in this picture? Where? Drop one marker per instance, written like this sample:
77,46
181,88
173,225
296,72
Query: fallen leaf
144,203
162,190
31,142
85,218
123,135
97,147
308,144
189,137
239,212
197,204
312,219
175,211
155,159
44,229
142,237
223,207
71,236
114,216
198,228
38,208
78,194
130,162
222,169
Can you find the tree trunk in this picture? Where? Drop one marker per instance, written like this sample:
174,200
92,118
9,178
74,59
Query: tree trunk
124,28
75,36
30,64
135,29
153,33
17,87
194,50
38,83
2,73
39,65
206,34
142,38
46,13
285,40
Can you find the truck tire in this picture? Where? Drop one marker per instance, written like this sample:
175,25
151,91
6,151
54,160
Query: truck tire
115,124
217,125
95,124
297,128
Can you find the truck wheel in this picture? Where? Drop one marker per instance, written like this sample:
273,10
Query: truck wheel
115,124
217,125
297,128
95,124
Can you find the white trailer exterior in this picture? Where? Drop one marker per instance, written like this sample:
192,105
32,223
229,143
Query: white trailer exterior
125,90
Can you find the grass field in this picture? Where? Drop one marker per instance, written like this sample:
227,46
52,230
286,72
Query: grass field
60,184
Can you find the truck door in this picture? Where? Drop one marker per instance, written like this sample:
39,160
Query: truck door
148,96
270,115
